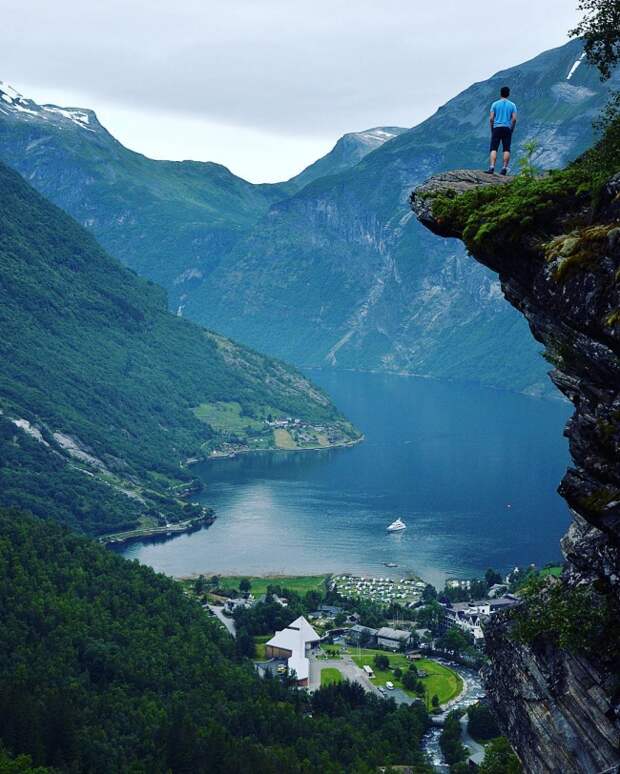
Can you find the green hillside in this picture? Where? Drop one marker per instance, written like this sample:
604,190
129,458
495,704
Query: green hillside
107,667
101,389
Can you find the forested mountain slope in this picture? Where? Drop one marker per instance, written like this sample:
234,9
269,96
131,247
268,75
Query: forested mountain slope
327,269
103,392
106,666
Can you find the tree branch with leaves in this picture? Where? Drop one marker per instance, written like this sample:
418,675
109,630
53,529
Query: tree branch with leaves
600,30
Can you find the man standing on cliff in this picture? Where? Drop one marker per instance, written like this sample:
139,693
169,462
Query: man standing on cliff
503,119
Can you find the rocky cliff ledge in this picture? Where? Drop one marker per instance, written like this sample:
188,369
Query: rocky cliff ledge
554,672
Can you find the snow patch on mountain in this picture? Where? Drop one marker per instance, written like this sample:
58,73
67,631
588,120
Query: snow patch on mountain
9,93
22,109
374,137
15,101
78,117
576,64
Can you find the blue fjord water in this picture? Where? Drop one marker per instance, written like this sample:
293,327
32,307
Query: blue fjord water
472,471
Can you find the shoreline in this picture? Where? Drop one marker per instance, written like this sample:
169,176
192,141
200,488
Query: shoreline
261,576
120,539
239,452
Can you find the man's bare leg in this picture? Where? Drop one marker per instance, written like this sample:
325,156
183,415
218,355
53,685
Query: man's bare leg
493,159
506,159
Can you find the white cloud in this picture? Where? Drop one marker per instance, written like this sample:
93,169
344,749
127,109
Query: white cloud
263,85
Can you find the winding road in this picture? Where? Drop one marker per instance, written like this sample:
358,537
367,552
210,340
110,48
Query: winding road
228,622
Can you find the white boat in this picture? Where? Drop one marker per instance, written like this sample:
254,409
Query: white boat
397,526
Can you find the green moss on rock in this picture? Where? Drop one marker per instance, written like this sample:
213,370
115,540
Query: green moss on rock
488,215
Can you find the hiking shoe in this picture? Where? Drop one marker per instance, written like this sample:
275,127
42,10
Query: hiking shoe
491,171
504,171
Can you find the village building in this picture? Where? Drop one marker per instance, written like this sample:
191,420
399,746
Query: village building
331,610
294,644
471,616
393,639
361,635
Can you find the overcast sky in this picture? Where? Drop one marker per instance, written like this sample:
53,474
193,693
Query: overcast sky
263,86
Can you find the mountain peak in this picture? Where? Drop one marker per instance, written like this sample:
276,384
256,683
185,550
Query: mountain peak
20,107
350,149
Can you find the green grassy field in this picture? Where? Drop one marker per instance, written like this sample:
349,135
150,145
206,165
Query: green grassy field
330,675
301,584
440,680
223,415
283,439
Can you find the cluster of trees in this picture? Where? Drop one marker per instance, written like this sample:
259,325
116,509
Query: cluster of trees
409,677
371,613
499,757
600,30
107,666
452,748
481,722
268,616
430,616
456,640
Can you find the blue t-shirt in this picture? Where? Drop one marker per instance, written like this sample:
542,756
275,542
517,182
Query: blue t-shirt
503,109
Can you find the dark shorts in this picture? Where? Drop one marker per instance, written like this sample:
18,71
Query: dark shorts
501,134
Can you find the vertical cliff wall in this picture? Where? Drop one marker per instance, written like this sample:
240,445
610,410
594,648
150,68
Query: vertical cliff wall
554,666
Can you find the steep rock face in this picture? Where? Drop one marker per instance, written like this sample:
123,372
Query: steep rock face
561,709
555,706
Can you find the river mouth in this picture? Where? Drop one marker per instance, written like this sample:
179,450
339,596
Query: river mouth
473,473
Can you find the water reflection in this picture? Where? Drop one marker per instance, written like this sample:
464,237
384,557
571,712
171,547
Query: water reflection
472,471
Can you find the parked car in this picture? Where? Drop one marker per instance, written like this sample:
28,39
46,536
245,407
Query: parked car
389,686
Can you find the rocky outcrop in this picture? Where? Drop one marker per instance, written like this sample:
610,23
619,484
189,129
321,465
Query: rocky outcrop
560,708
457,181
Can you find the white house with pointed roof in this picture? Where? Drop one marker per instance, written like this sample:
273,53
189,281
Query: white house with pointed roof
293,644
